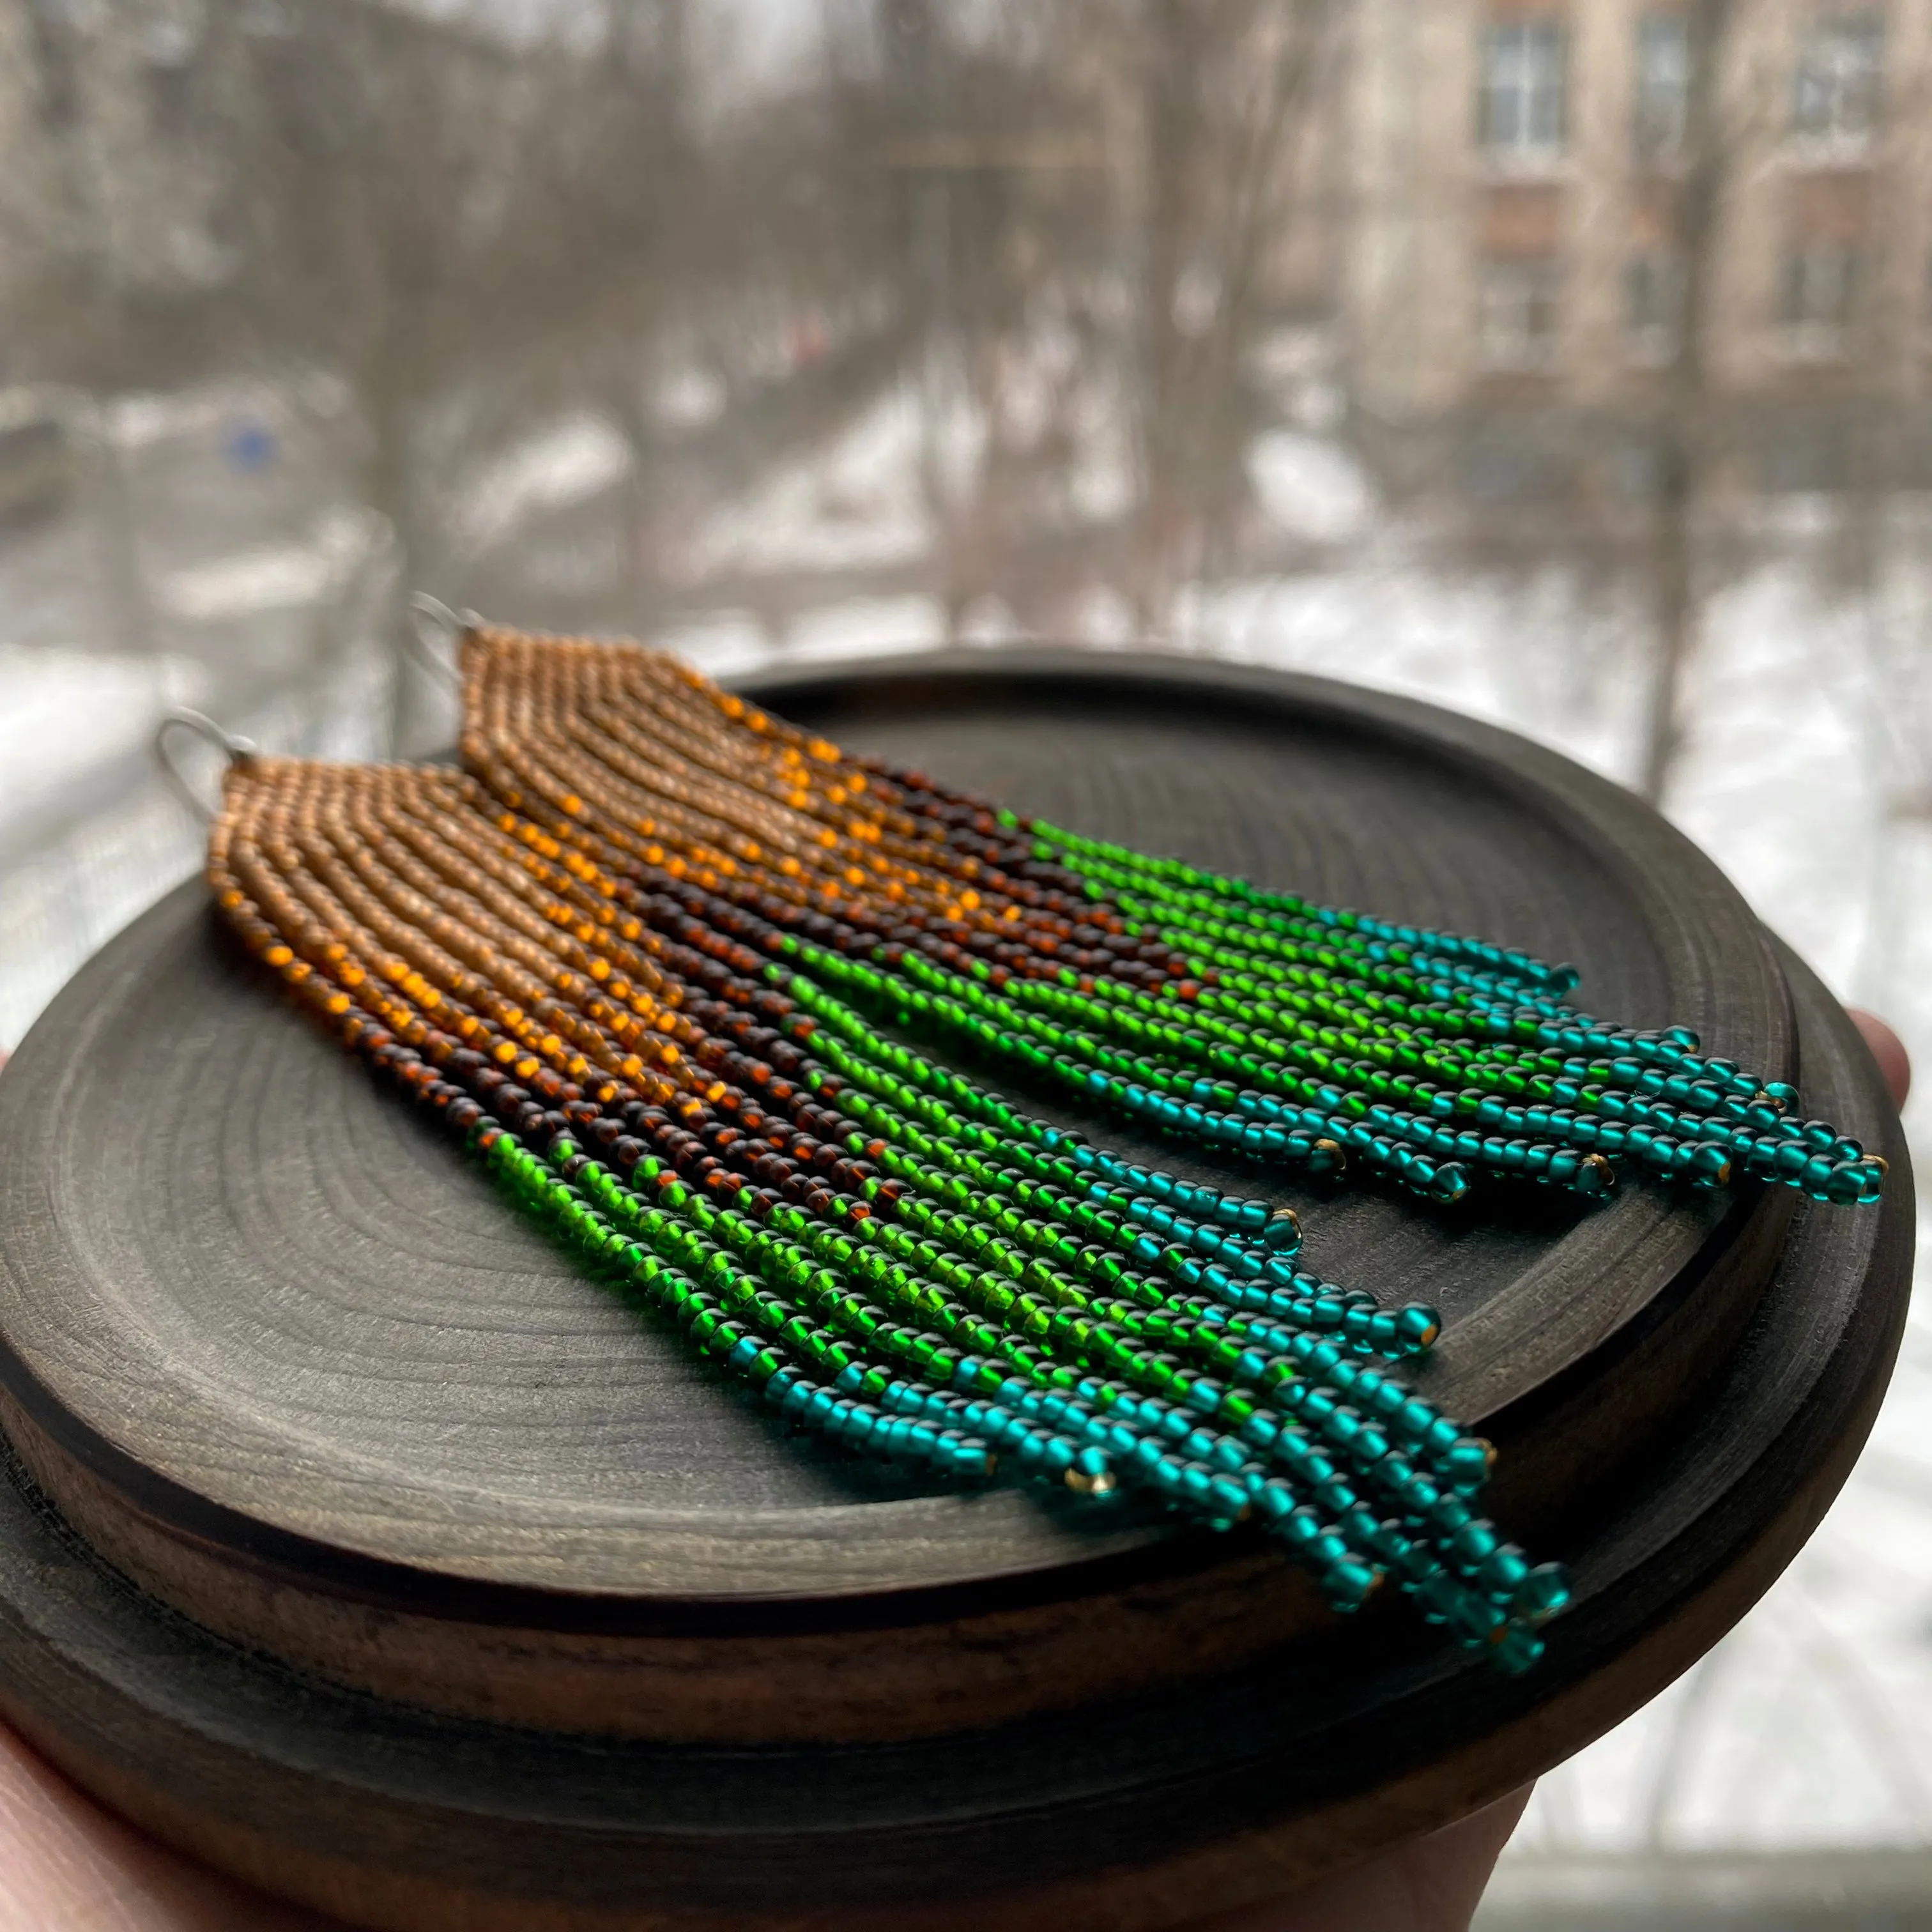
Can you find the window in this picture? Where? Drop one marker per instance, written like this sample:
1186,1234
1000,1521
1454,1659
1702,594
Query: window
1662,105
1835,101
1653,306
1820,286
53,49
1498,471
1637,470
1520,110
1515,324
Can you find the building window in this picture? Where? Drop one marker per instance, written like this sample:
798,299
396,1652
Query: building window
1653,306
1836,97
1520,109
1662,107
1516,317
1820,286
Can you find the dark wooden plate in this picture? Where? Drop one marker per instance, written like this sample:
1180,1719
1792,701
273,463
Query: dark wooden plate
280,1358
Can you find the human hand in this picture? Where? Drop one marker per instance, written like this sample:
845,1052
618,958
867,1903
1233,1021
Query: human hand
1894,1065
66,1865
1429,1884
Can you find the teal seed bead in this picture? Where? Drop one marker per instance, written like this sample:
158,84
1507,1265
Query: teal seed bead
1501,1573
1710,1163
1273,1500
1475,1620
1347,1582
1418,1327
1282,1233
1467,1463
1541,1595
1515,1649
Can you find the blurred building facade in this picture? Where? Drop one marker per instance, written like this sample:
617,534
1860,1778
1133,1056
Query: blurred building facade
1713,220
1708,222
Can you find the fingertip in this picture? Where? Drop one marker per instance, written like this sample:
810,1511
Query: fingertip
1895,1063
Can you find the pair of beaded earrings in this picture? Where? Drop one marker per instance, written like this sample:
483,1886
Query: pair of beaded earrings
698,988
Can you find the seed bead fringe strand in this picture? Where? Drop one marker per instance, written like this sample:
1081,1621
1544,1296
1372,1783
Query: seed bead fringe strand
638,955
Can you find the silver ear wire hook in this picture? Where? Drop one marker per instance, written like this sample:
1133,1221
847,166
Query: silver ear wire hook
236,751
432,633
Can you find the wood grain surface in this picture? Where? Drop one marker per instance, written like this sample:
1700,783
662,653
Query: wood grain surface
289,1364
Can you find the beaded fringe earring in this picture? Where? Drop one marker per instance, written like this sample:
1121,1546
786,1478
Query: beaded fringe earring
666,965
